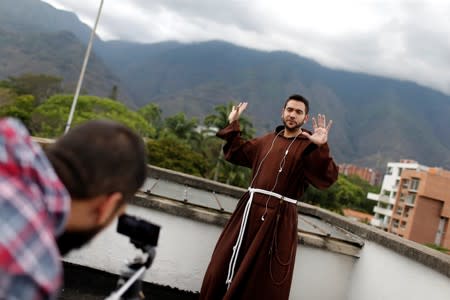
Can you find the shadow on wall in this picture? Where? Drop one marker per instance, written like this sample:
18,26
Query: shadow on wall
83,283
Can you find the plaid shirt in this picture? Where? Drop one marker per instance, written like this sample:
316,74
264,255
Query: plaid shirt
33,208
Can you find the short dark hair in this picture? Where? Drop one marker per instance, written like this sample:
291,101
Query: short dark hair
300,98
99,157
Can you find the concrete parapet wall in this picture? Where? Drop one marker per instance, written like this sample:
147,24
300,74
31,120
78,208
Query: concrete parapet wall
417,252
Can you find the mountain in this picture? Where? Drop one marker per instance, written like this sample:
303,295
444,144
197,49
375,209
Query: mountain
37,38
376,119
37,16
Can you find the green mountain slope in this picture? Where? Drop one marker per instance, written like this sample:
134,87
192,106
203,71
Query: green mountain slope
60,54
37,38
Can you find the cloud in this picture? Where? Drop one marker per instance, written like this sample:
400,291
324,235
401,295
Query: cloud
405,39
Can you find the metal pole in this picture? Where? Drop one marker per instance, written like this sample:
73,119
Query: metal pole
83,69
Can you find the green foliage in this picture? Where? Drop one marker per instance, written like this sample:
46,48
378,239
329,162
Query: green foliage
49,119
41,86
7,95
21,108
345,193
179,126
234,175
172,153
224,171
438,248
152,114
181,146
364,204
219,120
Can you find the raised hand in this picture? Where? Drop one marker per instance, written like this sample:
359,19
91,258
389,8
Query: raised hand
320,130
236,111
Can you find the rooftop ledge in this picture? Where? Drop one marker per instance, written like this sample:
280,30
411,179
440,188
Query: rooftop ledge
219,218
427,256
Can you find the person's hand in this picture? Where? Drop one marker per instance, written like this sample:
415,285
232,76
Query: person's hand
236,111
320,130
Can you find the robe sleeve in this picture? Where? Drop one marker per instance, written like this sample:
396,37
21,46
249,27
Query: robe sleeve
236,149
320,169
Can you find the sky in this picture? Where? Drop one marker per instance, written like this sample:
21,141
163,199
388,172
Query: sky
403,39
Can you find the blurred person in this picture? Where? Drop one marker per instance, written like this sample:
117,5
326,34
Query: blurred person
56,199
255,254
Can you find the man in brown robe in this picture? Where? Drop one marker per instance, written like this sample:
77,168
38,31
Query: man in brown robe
255,254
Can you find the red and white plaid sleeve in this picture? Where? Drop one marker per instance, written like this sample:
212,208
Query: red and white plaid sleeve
33,208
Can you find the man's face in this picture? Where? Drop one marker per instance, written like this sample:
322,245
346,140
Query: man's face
71,240
294,115
75,239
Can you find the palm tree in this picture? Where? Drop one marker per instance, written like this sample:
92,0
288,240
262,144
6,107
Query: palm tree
181,127
219,120
152,114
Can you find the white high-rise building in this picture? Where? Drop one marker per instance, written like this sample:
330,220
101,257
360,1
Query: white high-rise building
388,194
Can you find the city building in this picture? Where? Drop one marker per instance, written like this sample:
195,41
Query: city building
422,210
387,197
370,175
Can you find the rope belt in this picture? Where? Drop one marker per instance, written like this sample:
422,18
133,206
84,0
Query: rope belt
240,237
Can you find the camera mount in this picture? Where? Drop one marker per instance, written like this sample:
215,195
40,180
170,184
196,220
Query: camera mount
143,235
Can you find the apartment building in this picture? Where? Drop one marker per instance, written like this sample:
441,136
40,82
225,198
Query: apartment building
386,199
368,174
422,210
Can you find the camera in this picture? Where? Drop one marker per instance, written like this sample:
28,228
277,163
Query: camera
142,234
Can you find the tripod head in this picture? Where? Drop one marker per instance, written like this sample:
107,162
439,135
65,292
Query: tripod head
143,235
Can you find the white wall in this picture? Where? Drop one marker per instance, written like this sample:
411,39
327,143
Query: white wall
381,274
185,247
321,275
182,255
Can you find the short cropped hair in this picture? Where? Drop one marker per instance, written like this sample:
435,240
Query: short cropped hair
300,98
99,157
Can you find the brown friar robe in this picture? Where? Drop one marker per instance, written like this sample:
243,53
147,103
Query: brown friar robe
266,258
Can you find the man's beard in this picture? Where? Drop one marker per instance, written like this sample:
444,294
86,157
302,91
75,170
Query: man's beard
292,129
70,240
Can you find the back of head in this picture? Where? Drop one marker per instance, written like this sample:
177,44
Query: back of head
99,157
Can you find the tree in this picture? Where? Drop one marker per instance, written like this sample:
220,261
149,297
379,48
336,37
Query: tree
172,153
41,86
49,119
347,192
219,120
21,108
152,114
114,92
7,96
181,127
234,175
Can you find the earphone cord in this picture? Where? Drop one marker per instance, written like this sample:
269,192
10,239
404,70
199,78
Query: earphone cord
264,158
282,163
